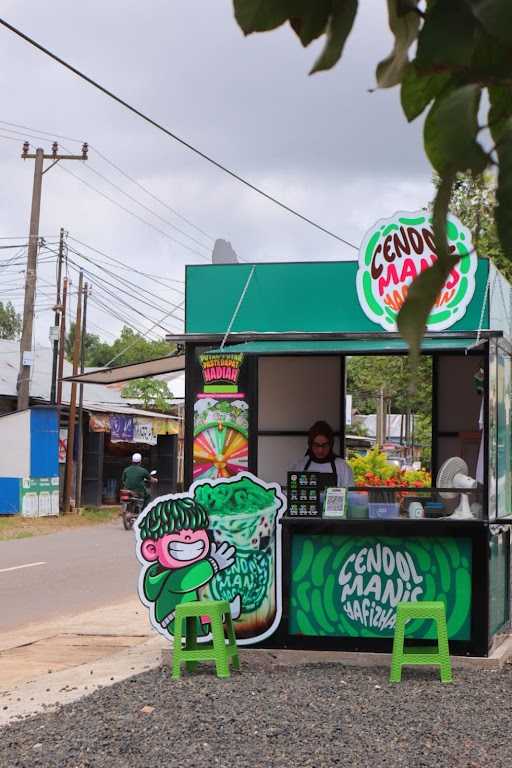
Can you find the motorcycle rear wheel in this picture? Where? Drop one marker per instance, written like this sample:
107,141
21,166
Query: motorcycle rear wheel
128,519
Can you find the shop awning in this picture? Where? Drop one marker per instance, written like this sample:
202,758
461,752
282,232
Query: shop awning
346,346
121,373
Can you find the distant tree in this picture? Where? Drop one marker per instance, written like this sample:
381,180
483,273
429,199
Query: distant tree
129,347
97,352
134,348
10,322
474,201
153,393
366,376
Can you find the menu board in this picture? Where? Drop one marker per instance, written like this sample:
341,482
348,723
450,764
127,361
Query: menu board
306,492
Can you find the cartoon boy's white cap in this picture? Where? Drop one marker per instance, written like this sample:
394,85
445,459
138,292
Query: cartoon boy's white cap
136,458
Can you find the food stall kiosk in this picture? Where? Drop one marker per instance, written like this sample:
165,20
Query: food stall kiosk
266,350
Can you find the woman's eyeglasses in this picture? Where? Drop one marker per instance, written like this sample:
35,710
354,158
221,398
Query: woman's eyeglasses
319,445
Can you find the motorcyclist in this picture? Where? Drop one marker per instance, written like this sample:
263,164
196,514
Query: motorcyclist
137,479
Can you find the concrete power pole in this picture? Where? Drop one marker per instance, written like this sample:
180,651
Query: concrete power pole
80,452
31,275
30,285
57,314
72,402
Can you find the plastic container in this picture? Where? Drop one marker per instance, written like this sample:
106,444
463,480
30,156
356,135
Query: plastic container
435,509
383,510
357,505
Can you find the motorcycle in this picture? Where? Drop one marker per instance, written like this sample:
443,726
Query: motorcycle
132,504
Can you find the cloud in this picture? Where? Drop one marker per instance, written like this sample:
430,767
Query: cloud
323,144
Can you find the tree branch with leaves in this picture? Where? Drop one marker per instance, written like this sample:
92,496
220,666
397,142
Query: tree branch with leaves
463,53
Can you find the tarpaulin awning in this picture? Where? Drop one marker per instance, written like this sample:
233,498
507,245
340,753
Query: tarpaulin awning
121,373
346,346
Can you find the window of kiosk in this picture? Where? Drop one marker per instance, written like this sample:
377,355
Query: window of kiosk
418,432
294,391
425,434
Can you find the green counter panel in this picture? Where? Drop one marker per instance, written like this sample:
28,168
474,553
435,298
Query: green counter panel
348,586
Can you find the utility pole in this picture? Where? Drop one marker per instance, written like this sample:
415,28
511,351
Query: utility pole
81,405
56,320
380,427
31,276
62,344
72,402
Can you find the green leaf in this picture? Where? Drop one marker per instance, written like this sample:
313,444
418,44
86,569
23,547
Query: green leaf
500,112
491,59
339,28
418,90
404,26
447,38
309,20
450,132
423,292
495,16
260,15
500,122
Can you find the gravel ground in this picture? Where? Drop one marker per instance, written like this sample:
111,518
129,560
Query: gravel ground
318,715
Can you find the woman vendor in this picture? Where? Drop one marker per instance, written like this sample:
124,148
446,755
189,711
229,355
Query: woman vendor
320,456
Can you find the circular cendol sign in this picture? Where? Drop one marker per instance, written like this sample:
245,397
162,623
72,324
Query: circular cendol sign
395,251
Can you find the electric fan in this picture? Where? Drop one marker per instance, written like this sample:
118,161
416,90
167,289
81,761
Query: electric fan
454,474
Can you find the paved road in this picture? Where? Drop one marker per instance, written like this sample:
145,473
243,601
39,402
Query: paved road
66,573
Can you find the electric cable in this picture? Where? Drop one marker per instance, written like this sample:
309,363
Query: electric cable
124,280
113,165
127,266
172,135
132,213
101,285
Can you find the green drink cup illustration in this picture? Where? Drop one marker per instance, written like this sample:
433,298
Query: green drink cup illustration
243,511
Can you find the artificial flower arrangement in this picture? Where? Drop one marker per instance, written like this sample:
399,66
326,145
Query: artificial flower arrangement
374,470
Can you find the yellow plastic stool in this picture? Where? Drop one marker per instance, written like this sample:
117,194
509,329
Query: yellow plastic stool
421,655
193,652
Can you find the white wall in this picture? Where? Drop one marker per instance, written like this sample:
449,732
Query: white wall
15,445
293,393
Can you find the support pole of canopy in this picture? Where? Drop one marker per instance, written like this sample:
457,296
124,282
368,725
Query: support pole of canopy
237,308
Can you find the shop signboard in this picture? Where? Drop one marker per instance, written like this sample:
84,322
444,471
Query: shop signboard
221,540
349,586
395,251
39,496
221,418
221,371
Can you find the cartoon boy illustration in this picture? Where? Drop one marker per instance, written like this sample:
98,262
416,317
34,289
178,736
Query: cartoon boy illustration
174,539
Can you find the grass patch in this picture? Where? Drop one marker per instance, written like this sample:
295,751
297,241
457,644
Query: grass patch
17,527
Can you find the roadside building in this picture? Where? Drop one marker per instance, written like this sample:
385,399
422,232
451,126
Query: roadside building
112,427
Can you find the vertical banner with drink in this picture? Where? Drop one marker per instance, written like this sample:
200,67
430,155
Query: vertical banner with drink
223,541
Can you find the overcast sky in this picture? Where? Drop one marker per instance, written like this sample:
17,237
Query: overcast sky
322,144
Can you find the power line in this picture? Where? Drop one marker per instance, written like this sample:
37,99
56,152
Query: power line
135,215
113,165
133,342
174,136
118,188
113,313
99,283
127,266
125,281
146,208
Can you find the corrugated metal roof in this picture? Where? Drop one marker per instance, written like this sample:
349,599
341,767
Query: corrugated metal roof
96,396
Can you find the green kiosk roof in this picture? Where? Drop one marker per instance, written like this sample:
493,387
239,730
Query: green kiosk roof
345,346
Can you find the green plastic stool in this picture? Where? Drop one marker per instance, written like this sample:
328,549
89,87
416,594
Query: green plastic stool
421,655
193,652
